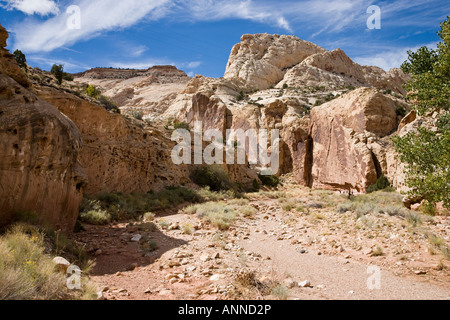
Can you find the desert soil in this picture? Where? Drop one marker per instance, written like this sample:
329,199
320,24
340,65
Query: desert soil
333,252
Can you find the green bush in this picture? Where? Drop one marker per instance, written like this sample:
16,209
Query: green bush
92,92
181,125
93,213
217,214
214,177
108,104
58,72
269,181
382,184
20,58
241,96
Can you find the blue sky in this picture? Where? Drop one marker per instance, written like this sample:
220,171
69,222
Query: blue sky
197,35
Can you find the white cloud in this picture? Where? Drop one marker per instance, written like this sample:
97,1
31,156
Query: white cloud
30,7
46,62
259,11
96,17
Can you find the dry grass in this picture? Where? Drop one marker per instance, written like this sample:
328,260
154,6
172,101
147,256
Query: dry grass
218,214
27,271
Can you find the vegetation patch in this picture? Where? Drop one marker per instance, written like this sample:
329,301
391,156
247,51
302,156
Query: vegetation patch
27,270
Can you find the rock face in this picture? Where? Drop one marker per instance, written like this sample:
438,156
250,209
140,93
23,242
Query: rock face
335,69
118,156
344,133
261,60
147,91
39,147
342,144
8,65
161,74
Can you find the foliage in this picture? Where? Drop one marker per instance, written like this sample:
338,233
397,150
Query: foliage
427,151
218,214
139,115
181,125
419,62
382,184
214,177
92,91
27,271
20,58
118,206
269,181
108,104
58,72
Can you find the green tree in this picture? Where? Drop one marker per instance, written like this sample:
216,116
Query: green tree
20,58
93,92
421,61
427,150
58,72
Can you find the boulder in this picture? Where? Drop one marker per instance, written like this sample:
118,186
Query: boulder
342,131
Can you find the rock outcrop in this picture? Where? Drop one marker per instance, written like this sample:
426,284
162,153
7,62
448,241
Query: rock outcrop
261,60
345,134
8,65
118,156
39,147
334,69
149,92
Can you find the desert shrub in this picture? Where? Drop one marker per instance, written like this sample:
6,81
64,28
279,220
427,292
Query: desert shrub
429,209
382,184
217,214
269,181
287,204
377,252
214,177
58,72
400,111
95,215
148,217
364,209
139,115
280,292
92,91
241,96
345,207
181,125
248,212
27,271
108,104
413,218
121,206
187,228
67,76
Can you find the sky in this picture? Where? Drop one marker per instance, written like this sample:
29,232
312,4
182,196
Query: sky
197,35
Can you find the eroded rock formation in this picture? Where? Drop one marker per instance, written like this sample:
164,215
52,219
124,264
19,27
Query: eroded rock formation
39,148
118,156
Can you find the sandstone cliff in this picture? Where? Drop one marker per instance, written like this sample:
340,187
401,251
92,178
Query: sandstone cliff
118,155
39,148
